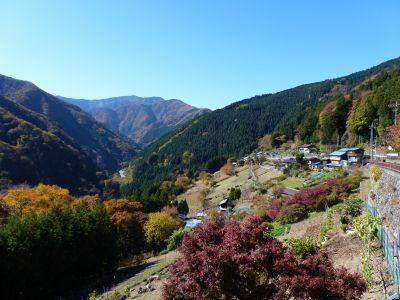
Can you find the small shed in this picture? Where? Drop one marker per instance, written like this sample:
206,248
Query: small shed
287,191
225,204
307,148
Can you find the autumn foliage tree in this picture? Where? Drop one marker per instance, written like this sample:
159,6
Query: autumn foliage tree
128,217
394,136
241,261
38,199
159,227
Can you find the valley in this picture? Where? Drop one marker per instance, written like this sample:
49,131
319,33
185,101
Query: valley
146,198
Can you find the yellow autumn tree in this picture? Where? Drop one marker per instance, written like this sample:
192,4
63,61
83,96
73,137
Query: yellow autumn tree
88,201
159,227
38,199
182,181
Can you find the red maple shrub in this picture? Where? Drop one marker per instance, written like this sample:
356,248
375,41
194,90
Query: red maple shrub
308,196
241,261
274,208
315,198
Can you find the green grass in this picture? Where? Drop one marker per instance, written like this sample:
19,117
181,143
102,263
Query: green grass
293,182
279,229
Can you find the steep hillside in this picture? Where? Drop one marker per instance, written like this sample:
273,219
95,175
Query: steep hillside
105,147
235,129
33,150
141,119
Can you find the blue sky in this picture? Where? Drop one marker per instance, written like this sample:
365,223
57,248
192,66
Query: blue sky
207,53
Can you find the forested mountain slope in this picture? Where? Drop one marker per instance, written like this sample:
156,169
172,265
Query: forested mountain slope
141,119
106,148
347,118
33,150
235,129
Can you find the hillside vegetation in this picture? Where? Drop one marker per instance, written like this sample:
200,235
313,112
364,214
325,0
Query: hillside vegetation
33,150
141,119
106,148
236,129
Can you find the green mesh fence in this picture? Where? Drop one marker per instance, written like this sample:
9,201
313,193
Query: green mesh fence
390,246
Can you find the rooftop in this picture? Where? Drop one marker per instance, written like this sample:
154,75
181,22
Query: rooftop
344,151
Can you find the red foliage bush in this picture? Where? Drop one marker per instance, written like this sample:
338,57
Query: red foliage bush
316,278
241,261
314,198
308,196
274,208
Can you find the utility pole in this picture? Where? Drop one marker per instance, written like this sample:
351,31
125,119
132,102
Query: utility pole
395,107
371,140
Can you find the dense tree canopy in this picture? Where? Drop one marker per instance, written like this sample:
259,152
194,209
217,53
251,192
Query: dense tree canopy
237,128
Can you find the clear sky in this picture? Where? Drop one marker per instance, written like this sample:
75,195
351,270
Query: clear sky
208,53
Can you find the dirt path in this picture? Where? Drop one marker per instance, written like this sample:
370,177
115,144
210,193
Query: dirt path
146,284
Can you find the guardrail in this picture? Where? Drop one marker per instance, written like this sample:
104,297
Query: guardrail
387,165
390,246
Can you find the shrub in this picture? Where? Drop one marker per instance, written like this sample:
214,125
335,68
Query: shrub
239,261
350,183
308,196
176,238
328,201
376,173
228,169
234,194
171,210
302,247
281,177
183,207
159,227
274,208
216,217
291,213
352,207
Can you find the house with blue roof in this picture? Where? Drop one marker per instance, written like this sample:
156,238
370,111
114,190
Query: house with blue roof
345,156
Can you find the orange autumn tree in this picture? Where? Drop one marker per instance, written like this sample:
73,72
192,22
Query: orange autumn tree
394,136
128,216
122,211
38,199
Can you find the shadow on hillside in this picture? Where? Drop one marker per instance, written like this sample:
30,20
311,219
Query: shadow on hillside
105,283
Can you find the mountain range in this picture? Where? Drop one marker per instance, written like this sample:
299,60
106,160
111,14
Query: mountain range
106,148
34,150
45,139
141,119
236,129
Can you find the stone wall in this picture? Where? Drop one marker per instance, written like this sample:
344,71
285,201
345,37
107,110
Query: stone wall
385,197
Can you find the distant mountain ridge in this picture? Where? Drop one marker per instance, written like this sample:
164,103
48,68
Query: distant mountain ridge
34,150
141,119
106,148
